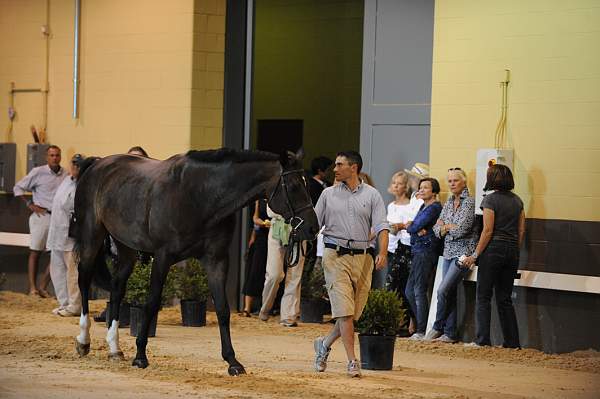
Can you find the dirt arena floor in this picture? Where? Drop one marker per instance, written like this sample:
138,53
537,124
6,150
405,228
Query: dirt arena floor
38,360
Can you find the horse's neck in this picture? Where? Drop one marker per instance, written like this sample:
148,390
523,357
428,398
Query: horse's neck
245,182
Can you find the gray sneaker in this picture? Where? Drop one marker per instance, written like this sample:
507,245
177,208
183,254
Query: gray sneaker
263,316
445,339
433,334
321,354
354,368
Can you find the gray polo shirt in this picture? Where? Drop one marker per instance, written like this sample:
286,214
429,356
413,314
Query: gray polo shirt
43,183
349,216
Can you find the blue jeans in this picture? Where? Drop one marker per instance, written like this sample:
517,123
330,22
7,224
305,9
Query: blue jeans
416,287
445,317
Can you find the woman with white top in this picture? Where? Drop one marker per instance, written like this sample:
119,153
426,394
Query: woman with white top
63,266
400,212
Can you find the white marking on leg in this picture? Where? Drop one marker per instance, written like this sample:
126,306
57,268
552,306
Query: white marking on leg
112,337
84,329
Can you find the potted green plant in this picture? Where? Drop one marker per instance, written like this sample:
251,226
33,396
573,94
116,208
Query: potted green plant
136,294
313,295
377,328
191,287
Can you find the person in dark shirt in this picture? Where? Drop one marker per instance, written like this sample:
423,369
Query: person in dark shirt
425,250
317,183
502,235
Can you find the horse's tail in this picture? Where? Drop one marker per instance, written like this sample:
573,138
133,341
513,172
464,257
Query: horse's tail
101,275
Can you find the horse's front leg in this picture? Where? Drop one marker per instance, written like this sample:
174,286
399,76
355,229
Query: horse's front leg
217,278
160,269
124,267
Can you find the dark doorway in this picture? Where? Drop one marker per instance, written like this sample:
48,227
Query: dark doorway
278,135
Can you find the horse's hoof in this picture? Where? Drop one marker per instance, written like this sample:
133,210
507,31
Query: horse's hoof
116,357
236,370
82,349
141,363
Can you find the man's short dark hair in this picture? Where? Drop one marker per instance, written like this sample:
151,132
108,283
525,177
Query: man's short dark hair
53,147
435,185
499,177
320,164
353,158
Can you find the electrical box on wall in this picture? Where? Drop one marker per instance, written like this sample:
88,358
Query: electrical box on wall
485,158
8,158
36,155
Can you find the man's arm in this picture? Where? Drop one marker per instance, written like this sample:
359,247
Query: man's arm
381,258
24,185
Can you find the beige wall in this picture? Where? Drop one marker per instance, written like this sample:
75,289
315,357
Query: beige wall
151,74
551,48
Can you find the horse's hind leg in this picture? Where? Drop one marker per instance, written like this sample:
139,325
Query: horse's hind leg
89,254
216,265
160,269
125,261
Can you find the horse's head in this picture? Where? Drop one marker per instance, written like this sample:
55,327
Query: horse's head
290,198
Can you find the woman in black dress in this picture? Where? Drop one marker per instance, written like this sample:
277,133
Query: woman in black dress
257,257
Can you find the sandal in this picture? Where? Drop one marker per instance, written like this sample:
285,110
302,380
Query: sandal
44,294
245,313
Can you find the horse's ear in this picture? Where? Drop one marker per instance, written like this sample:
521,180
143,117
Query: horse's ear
300,154
287,158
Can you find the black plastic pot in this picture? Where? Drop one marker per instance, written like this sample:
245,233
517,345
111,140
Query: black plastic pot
311,311
136,316
123,315
193,313
376,351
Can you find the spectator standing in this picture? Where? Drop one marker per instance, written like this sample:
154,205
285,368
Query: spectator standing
317,183
424,251
42,182
455,226
63,265
502,235
257,256
348,211
277,240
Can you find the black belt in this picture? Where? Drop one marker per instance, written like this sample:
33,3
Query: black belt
349,251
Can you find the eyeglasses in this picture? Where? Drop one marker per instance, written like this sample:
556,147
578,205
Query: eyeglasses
451,169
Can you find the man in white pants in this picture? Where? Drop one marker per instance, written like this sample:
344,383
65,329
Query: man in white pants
290,301
42,182
63,265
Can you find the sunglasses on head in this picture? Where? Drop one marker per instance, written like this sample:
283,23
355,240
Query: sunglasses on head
451,169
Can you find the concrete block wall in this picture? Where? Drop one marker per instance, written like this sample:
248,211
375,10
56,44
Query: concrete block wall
553,102
151,75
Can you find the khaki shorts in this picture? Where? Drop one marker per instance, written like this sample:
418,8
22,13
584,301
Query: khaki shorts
348,280
38,231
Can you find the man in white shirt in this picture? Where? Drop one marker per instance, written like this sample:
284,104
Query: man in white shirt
42,182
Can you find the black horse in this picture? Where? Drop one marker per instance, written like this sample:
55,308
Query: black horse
176,209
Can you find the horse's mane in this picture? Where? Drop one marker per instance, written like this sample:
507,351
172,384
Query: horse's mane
230,155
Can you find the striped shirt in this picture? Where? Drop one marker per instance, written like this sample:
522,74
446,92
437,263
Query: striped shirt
348,215
43,183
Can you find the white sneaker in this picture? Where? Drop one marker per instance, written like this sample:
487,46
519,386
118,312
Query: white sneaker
473,345
56,310
433,334
445,339
417,337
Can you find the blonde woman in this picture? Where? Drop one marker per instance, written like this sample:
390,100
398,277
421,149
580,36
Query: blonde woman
400,213
455,226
